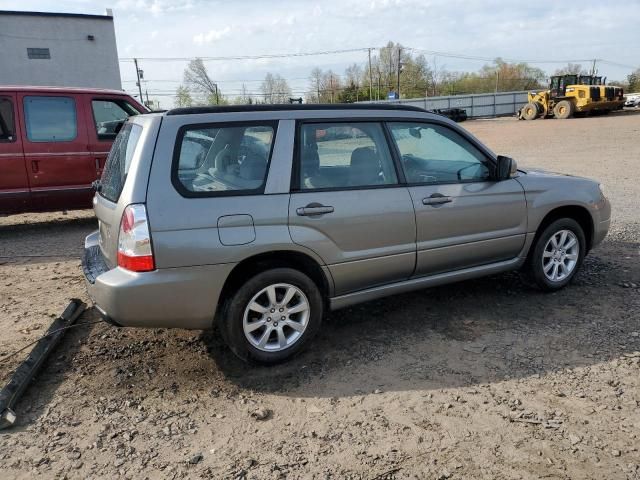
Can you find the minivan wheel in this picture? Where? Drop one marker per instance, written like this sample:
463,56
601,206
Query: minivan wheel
273,315
557,254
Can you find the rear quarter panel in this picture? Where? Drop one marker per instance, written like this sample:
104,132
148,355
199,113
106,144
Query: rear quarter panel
187,231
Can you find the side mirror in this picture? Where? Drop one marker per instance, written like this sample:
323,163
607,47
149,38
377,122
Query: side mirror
506,168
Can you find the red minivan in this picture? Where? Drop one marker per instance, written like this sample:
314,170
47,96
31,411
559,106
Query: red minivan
54,142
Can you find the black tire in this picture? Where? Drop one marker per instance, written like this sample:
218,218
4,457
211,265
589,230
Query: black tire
563,109
231,321
534,270
530,111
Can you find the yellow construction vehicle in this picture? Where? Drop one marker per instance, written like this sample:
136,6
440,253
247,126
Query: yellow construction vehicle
572,94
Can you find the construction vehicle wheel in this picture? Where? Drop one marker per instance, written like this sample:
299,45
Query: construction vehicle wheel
563,109
530,111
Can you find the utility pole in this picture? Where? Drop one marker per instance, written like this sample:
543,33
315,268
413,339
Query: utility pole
435,75
147,93
497,74
318,87
593,67
370,79
390,68
331,86
217,100
135,61
399,66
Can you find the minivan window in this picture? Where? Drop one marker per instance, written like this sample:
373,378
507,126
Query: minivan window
432,153
343,155
50,119
7,128
212,159
108,116
119,161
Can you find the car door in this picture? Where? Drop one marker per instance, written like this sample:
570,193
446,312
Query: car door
106,115
58,162
348,205
464,217
14,183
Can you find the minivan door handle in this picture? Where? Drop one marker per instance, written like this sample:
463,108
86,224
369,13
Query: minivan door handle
314,209
436,199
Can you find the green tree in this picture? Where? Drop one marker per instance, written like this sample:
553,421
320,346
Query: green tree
633,80
183,97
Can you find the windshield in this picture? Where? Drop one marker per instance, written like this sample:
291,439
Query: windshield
119,161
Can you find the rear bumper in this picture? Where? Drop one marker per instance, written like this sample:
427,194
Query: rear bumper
167,298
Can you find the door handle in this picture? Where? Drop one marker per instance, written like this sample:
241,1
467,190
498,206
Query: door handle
436,200
314,209
97,164
34,166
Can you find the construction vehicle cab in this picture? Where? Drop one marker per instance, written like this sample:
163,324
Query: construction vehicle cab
570,94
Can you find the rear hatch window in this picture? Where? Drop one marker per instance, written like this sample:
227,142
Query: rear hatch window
119,161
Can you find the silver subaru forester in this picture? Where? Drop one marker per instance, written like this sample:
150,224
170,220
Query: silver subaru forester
257,219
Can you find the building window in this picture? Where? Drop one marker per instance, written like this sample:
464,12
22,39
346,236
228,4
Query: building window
38,53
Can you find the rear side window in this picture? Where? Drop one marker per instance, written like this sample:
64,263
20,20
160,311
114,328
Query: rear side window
119,161
109,116
50,119
7,125
226,159
344,155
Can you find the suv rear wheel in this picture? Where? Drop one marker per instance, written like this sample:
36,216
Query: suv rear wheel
272,316
557,254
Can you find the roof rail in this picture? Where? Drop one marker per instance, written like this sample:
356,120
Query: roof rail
286,107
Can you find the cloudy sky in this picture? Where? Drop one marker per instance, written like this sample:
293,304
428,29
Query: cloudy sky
540,32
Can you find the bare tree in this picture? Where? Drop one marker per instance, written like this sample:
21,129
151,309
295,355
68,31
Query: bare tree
571,69
275,89
198,79
315,81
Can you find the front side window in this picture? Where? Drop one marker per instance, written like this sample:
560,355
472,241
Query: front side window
119,161
433,153
343,155
109,116
7,125
214,159
50,119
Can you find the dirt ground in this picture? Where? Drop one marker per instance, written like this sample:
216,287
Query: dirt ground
482,379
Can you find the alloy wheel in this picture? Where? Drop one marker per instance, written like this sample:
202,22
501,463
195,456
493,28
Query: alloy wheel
560,255
276,317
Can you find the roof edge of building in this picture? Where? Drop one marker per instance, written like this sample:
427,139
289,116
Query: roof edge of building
18,13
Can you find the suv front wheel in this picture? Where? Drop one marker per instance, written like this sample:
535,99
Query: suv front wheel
557,254
273,315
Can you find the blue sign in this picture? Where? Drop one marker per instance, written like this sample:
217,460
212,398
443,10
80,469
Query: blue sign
393,96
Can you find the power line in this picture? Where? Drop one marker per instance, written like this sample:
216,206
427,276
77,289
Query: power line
437,53
245,57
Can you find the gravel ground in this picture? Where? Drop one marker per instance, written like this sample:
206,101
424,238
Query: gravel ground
482,379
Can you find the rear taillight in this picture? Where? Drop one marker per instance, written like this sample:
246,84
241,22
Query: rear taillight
134,240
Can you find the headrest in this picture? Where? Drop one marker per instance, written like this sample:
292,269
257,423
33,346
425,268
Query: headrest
365,167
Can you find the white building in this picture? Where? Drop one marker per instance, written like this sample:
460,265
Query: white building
58,49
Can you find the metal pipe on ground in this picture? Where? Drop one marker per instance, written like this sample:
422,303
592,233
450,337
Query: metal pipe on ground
23,375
